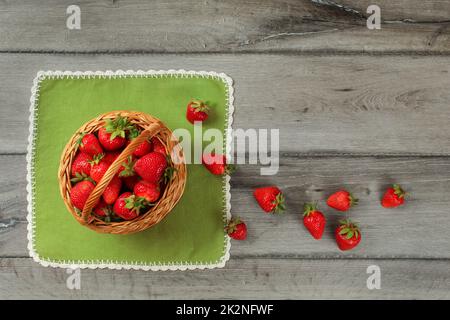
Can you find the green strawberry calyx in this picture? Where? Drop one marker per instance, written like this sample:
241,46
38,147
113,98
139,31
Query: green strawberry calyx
349,228
398,191
80,139
128,165
199,106
135,203
232,225
81,177
279,205
133,133
309,208
118,126
97,158
353,201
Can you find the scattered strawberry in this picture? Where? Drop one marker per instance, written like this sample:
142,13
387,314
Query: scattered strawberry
112,191
158,146
217,164
197,111
151,167
88,143
347,235
128,206
81,164
101,209
142,149
314,220
147,190
236,229
342,200
110,157
127,168
80,193
394,197
270,199
131,181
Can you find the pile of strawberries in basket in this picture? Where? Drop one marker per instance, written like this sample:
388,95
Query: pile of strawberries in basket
140,181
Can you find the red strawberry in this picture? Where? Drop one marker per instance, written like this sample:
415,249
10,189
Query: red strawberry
158,146
89,144
108,142
236,229
347,235
147,190
126,170
151,167
342,200
111,156
142,149
112,191
98,167
197,111
101,209
270,199
314,220
81,164
131,181
80,193
127,206
217,164
394,197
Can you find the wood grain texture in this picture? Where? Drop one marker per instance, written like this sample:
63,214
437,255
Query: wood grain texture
324,104
241,279
417,230
224,26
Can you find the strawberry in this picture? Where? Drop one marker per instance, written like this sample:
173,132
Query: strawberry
236,229
197,111
112,191
151,167
217,164
126,170
81,164
394,197
342,200
347,235
80,193
314,220
131,181
111,156
101,209
142,149
108,142
88,143
270,199
112,135
98,167
127,206
147,190
158,146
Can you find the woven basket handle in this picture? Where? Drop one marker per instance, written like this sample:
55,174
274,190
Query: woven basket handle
94,197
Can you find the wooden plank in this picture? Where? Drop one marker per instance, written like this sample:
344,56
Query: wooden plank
255,278
164,26
417,230
323,104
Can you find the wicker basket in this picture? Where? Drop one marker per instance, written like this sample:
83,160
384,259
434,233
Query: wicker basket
172,193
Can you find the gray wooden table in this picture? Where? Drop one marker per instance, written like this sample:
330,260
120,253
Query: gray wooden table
357,108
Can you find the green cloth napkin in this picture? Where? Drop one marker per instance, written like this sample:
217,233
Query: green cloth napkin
192,234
